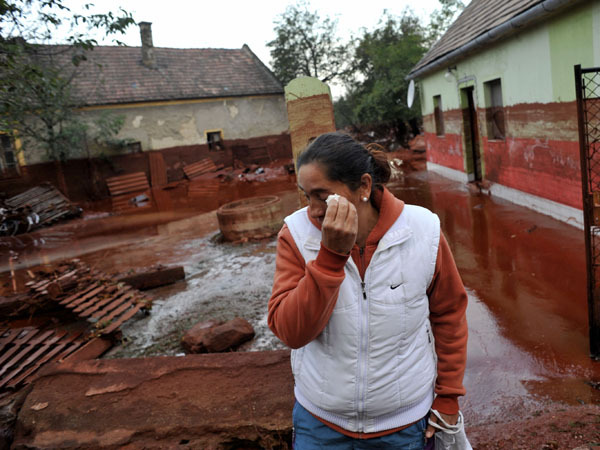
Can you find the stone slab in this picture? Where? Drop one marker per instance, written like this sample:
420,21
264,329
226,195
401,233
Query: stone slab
228,400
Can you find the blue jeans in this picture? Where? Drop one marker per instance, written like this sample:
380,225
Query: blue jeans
310,433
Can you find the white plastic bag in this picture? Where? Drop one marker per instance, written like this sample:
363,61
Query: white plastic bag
450,437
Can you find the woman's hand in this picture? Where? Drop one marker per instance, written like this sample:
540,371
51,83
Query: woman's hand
340,226
450,419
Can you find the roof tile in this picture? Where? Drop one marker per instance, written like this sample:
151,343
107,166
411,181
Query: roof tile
113,75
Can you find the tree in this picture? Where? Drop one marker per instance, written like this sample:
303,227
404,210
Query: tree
37,102
382,60
306,45
442,18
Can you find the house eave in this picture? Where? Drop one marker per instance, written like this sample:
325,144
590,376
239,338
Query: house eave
538,12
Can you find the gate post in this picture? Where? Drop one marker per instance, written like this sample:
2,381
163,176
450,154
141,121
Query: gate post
591,198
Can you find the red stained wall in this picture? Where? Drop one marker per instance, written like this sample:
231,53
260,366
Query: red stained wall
532,162
84,178
445,150
542,167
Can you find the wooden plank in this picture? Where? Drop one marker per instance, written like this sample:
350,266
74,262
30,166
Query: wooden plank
102,314
100,304
41,350
48,357
40,337
12,334
154,278
117,312
109,291
127,183
128,315
90,350
158,169
85,297
198,168
77,294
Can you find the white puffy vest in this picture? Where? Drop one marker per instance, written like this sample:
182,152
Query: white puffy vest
373,367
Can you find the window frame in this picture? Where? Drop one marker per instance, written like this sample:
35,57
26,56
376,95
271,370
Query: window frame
438,115
494,110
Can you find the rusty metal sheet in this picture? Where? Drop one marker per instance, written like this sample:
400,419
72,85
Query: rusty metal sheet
124,184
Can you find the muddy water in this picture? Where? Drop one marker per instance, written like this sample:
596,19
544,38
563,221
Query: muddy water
525,275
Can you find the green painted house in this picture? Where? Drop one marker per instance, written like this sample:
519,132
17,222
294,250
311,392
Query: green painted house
498,99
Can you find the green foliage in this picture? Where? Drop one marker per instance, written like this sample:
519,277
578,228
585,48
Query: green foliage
442,18
37,102
382,60
307,45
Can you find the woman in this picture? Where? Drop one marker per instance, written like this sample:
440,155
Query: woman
367,294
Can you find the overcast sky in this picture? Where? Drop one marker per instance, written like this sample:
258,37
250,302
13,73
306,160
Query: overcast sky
233,23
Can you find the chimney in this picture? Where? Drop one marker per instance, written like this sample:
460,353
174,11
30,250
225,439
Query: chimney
147,47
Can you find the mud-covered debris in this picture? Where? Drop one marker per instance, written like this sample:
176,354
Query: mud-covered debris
37,207
153,277
215,337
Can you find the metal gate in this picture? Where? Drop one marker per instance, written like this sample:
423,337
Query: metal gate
587,83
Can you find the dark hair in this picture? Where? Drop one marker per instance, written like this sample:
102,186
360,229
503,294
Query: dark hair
346,160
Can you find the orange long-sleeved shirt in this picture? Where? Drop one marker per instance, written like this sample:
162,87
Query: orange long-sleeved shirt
304,296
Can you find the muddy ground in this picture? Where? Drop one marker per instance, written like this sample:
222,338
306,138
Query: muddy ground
529,379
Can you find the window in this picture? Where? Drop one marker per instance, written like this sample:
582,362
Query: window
134,147
438,115
494,113
7,156
215,140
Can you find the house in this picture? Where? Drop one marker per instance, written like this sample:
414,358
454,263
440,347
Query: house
498,99
187,104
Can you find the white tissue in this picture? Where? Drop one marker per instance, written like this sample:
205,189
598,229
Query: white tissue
331,197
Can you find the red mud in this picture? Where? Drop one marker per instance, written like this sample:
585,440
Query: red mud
171,204
525,272
530,382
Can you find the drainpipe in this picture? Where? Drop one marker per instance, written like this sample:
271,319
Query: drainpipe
148,58
539,11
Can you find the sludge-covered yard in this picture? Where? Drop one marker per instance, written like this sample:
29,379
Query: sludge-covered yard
529,380
56,280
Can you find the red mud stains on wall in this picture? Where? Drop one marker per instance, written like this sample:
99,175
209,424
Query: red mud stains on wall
85,177
540,155
445,150
554,116
542,167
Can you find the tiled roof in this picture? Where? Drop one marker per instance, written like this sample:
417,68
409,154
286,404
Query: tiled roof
113,75
478,17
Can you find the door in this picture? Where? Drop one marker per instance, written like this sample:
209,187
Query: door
471,135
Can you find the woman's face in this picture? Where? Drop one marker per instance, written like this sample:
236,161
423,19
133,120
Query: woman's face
313,181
